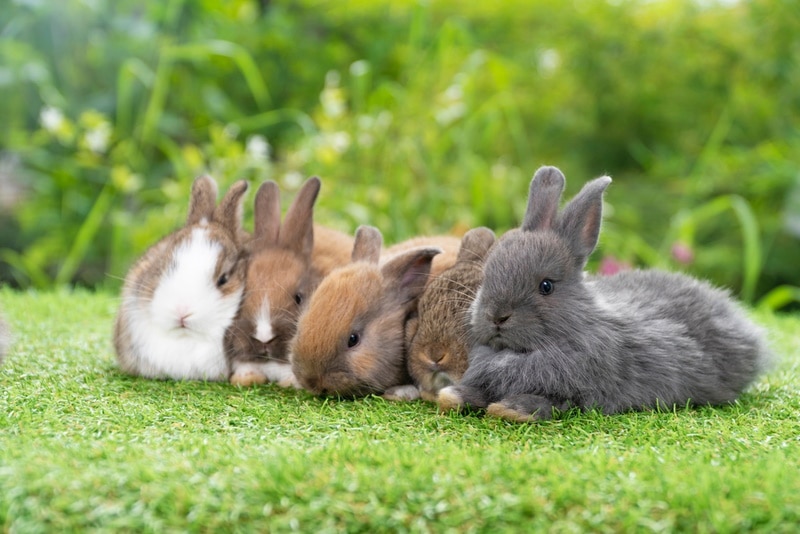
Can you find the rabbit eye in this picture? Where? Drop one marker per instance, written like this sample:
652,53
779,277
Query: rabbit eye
353,340
222,280
546,287
298,298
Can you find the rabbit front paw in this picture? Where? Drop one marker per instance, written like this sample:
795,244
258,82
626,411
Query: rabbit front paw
524,408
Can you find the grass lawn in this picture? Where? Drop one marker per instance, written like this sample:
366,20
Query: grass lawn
83,447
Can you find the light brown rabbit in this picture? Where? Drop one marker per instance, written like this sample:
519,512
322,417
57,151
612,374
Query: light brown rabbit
351,339
183,293
286,264
437,338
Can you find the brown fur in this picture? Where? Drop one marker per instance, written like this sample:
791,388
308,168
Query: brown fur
371,300
287,263
437,337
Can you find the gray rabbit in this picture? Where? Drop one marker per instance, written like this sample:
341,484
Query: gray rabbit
547,337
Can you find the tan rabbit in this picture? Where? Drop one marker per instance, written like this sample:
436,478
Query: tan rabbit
183,293
437,338
286,264
351,339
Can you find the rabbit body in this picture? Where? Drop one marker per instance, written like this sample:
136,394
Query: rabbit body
437,337
287,263
350,340
181,295
549,337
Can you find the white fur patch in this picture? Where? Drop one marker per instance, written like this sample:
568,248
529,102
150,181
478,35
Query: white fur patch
407,392
264,331
180,334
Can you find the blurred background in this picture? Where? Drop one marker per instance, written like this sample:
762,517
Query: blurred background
419,116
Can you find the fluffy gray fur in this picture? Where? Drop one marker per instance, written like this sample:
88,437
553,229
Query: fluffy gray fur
636,340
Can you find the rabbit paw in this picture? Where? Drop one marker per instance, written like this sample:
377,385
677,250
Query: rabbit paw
407,392
449,399
523,408
248,374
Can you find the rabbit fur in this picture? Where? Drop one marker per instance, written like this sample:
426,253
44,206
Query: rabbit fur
286,264
547,337
350,340
182,294
437,337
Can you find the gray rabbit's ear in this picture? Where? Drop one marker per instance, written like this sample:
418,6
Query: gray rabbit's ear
229,212
579,222
297,232
203,200
475,245
367,245
408,273
267,214
543,197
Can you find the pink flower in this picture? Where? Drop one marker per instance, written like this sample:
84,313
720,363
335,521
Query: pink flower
610,265
682,253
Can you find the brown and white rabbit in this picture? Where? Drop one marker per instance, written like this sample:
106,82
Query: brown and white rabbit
437,337
351,339
182,294
547,337
286,264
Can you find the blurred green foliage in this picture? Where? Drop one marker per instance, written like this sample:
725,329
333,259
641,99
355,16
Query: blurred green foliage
420,117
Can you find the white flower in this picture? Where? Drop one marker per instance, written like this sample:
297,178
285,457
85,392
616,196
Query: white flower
98,137
549,60
332,78
451,113
339,141
51,119
332,102
292,179
359,68
258,147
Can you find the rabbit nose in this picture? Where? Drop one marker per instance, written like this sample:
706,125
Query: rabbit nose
500,319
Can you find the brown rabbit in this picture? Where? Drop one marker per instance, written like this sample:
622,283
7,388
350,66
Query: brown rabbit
286,264
183,293
437,337
350,340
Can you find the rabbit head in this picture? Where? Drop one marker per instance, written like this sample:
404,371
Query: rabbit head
533,279
350,340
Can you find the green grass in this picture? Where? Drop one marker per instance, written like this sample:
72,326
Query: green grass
83,447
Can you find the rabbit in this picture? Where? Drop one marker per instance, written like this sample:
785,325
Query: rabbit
179,298
547,338
350,340
437,338
286,264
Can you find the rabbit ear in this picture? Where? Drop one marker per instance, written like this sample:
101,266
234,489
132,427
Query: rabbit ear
367,246
408,273
297,232
475,245
229,211
543,196
267,214
579,222
203,200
